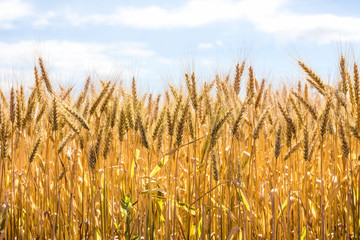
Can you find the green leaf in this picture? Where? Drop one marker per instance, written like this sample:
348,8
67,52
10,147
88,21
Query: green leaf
200,226
162,162
303,235
205,148
186,207
137,154
117,227
244,199
200,166
245,156
283,206
158,190
41,164
312,209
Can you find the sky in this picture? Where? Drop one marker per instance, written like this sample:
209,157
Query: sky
157,41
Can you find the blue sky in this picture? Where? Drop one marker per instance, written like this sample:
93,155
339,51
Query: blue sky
158,40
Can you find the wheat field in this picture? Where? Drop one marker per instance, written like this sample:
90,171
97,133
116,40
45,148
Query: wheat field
231,158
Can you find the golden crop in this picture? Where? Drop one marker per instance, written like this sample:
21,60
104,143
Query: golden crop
207,162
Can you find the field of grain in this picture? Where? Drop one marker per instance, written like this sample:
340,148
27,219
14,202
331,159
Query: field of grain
207,161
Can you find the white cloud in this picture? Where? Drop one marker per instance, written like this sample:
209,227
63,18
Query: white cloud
12,10
270,16
194,13
205,46
207,62
44,18
219,43
68,60
321,28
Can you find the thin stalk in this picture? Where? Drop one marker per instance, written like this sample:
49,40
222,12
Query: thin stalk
175,194
322,200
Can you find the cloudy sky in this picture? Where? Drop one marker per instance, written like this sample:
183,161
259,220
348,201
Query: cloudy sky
158,40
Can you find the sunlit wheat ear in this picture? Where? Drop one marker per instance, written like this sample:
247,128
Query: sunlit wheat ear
297,109
208,106
344,83
306,92
82,95
194,94
54,117
3,99
22,97
92,158
325,118
169,122
149,106
344,143
174,92
134,94
292,150
156,108
260,124
144,140
107,98
34,150
30,111
214,135
308,106
65,141
4,134
306,144
351,89
181,124
291,129
191,125
98,141
38,85
12,105
75,128
313,79
99,98
114,112
214,165
354,132
19,112
188,83
260,94
160,138
278,142
357,95
341,100
250,85
356,83
77,116
257,87
237,79
108,138
299,88
218,89
41,113
66,95
123,125
238,118
158,125
45,77
172,118
86,108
